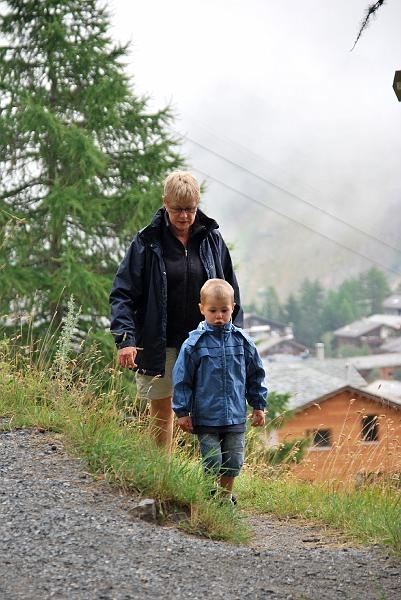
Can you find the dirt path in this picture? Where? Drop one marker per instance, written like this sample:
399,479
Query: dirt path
65,536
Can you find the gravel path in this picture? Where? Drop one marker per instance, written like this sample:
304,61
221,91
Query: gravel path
65,536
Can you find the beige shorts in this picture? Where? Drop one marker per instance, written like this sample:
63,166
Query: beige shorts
154,387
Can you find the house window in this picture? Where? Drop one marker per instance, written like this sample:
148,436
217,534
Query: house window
370,428
321,438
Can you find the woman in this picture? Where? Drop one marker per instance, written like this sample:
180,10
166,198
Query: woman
155,294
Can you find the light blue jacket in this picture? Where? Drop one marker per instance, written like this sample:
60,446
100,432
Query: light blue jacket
218,370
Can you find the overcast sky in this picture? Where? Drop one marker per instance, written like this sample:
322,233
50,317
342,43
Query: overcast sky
277,109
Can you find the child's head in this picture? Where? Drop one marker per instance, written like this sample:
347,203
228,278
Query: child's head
217,301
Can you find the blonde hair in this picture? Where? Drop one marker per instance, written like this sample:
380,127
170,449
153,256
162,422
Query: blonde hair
181,186
218,288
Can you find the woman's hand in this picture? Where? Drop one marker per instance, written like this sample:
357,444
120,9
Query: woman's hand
126,357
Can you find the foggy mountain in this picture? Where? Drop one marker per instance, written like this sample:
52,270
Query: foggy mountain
282,231
295,133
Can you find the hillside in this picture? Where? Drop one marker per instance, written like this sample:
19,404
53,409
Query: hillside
269,250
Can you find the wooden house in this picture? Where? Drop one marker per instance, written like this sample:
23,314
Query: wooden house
272,337
353,431
277,346
257,326
376,366
371,331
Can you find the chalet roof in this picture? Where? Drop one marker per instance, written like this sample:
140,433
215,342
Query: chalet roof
393,301
373,361
369,324
310,381
393,345
274,341
249,317
386,388
393,321
357,328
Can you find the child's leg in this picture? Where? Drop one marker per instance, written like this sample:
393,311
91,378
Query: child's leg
210,449
226,483
233,449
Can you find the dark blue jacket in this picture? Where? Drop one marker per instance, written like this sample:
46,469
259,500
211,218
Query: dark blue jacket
138,299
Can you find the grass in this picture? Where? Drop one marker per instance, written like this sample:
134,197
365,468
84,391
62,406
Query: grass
71,400
371,515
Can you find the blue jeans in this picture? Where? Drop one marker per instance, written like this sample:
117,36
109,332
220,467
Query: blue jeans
222,453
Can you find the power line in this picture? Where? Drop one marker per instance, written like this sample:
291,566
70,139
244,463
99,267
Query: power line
292,194
341,245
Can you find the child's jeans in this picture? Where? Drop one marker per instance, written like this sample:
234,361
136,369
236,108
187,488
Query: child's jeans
222,453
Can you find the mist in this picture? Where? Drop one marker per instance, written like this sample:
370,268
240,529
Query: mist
296,137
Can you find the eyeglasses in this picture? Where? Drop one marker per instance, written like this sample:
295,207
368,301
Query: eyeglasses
179,211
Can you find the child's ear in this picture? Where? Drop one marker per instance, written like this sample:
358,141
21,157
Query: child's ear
201,308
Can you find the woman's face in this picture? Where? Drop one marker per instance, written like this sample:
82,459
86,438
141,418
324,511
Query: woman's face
181,217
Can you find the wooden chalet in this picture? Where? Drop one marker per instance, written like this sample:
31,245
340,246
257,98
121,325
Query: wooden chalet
372,331
392,304
353,431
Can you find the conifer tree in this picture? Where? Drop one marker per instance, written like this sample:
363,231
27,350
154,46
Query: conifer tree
81,158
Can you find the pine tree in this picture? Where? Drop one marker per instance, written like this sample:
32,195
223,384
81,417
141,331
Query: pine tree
81,158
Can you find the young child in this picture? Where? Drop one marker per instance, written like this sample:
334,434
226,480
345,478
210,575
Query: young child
219,370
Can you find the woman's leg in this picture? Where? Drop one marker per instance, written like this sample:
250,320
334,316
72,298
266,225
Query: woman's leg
161,415
158,391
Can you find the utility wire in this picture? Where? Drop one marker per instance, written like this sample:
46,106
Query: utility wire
344,246
292,194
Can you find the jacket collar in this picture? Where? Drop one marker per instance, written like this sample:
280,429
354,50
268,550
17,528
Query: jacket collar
205,326
152,232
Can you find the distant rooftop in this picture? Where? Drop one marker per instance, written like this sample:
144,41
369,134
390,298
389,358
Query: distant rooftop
311,379
392,345
386,388
368,324
357,328
374,361
393,301
308,380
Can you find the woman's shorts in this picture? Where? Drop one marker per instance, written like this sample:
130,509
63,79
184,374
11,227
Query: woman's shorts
154,387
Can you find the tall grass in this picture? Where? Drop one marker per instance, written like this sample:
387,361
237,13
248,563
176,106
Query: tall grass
371,515
67,395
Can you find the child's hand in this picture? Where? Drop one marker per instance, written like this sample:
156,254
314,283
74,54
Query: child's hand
185,423
258,418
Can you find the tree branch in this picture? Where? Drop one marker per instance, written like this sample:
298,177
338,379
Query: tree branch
370,12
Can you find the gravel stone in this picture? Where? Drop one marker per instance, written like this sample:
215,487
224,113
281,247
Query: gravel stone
66,536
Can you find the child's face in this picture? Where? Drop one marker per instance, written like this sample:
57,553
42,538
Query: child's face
217,311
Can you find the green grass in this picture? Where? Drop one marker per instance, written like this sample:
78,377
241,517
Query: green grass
370,515
90,415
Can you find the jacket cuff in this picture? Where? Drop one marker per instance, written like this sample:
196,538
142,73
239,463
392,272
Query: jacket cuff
181,413
122,340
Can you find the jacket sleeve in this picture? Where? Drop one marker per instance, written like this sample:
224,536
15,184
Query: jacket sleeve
256,390
126,293
183,381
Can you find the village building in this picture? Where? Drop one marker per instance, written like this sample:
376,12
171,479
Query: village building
372,331
392,304
354,430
